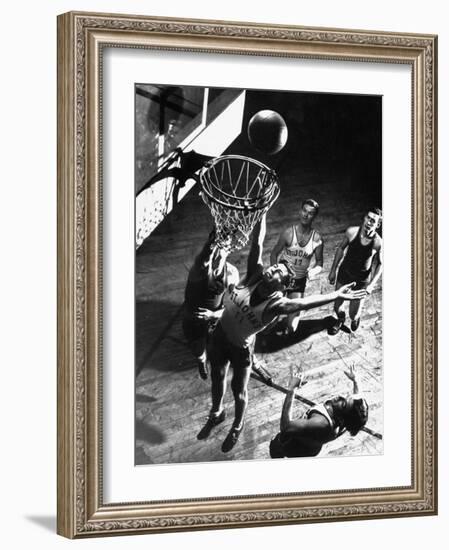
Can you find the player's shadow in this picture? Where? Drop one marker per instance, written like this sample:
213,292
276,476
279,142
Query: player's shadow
141,458
273,341
158,338
154,318
141,398
149,433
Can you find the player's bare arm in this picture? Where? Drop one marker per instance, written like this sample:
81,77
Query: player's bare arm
292,305
379,266
340,252
284,239
233,274
352,375
255,263
319,254
296,381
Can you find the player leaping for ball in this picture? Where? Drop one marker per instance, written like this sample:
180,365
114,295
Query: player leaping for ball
250,307
297,245
354,260
203,297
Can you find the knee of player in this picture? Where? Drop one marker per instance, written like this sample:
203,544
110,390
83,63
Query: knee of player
240,394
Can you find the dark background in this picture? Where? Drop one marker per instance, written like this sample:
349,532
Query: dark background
328,134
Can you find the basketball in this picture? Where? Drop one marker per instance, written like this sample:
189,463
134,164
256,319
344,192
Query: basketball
267,132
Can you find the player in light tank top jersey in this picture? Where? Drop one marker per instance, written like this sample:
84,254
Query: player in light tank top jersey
249,308
297,245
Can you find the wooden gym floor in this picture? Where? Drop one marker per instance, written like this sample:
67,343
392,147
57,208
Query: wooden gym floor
172,402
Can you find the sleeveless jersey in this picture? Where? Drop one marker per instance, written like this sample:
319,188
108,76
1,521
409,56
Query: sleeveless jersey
298,257
201,291
286,444
241,321
358,259
321,409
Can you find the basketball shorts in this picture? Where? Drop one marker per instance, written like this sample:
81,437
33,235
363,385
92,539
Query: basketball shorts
283,446
196,329
344,277
221,350
276,447
297,285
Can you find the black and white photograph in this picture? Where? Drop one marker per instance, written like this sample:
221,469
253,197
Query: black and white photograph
258,274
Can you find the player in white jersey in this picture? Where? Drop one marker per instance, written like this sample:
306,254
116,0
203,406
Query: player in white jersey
250,307
297,245
321,423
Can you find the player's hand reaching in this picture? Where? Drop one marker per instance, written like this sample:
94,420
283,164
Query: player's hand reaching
296,378
332,277
207,315
350,373
346,293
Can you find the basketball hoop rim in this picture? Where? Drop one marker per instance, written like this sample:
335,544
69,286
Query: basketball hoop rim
249,207
237,157
271,194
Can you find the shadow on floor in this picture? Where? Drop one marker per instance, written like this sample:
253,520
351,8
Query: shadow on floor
149,433
142,398
154,321
272,341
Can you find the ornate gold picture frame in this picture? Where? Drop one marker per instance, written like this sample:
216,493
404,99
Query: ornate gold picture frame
82,508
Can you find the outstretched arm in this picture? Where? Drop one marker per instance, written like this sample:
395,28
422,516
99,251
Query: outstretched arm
296,380
255,263
293,305
377,271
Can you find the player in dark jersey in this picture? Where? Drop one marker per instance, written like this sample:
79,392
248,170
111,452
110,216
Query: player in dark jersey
203,298
358,252
249,308
320,423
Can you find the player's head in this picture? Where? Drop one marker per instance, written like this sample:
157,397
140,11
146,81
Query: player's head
278,276
356,414
372,220
308,211
351,412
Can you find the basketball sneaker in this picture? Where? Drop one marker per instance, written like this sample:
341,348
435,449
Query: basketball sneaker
212,421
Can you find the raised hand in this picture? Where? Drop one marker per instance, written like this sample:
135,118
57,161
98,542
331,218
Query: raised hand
350,373
296,377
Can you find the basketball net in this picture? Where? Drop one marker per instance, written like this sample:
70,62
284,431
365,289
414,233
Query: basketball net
238,191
